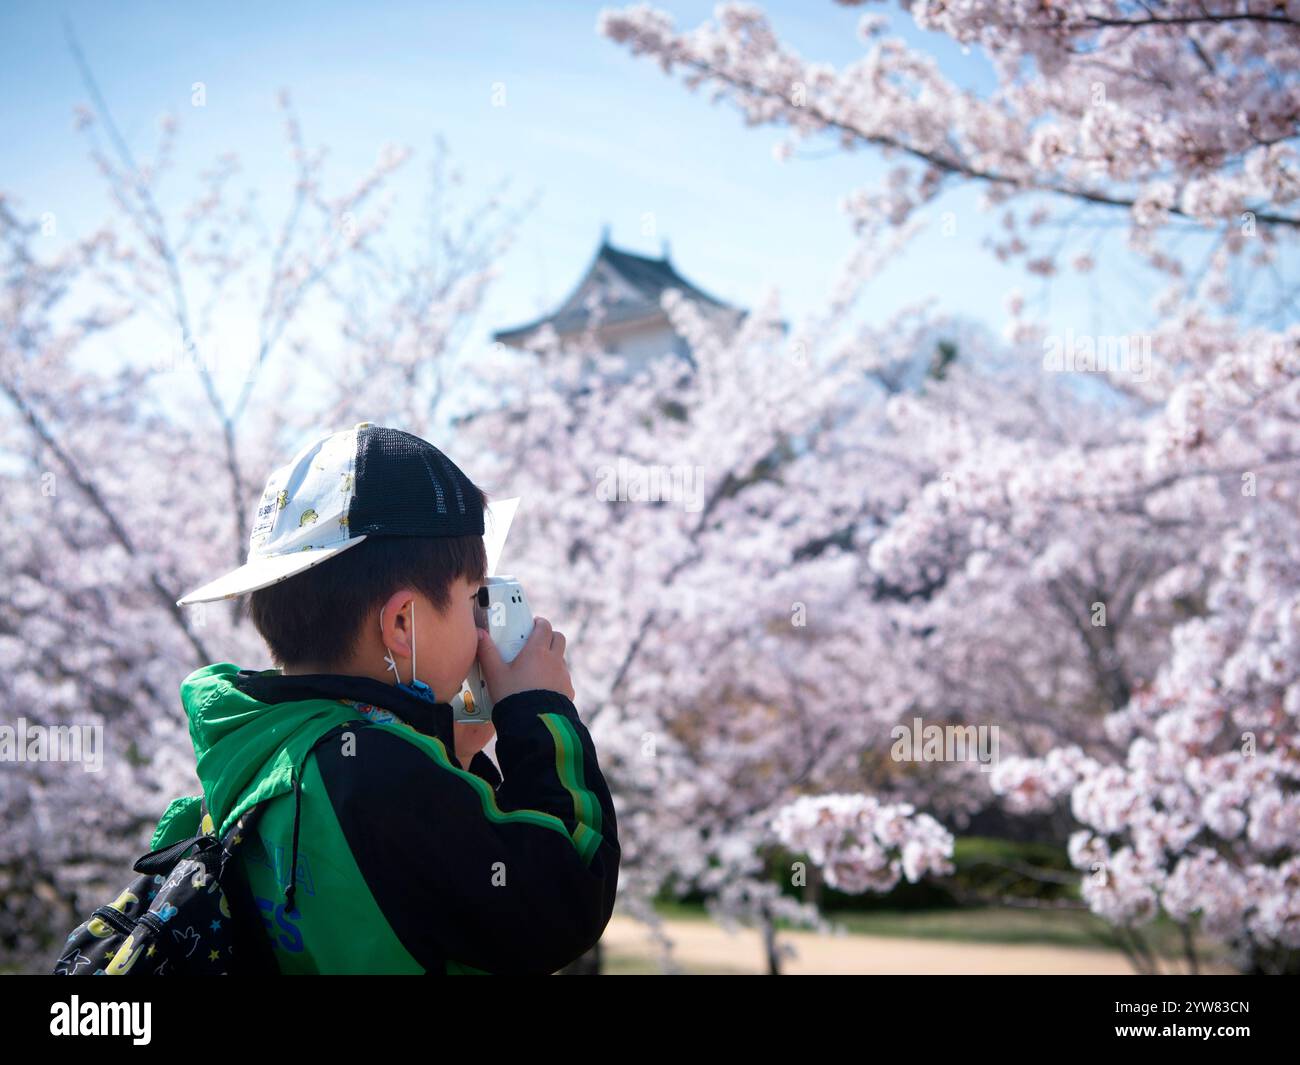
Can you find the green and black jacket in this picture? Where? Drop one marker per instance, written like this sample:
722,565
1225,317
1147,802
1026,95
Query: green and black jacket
378,852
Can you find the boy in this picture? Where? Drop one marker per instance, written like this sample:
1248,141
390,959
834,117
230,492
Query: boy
398,847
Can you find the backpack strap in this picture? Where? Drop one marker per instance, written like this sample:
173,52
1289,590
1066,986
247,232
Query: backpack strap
254,953
162,859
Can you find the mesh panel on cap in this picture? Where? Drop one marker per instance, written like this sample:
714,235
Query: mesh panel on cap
406,487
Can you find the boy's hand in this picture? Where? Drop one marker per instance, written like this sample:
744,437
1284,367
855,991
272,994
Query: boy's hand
540,664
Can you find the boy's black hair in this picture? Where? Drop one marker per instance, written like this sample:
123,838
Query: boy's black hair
316,616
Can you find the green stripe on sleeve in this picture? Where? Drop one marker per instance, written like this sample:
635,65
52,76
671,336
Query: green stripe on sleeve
585,839
568,763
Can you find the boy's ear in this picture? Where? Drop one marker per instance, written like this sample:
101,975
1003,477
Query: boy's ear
395,620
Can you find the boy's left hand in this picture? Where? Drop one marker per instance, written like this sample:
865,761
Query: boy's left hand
470,739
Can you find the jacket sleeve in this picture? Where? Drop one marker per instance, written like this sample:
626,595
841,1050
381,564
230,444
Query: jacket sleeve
520,878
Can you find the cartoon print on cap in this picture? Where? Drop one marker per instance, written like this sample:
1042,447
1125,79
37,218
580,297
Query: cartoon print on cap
309,515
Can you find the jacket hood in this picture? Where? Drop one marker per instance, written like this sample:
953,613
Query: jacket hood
240,742
252,729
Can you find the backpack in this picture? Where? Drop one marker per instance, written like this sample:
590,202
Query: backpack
185,915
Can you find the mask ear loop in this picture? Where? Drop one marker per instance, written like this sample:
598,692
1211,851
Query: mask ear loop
392,664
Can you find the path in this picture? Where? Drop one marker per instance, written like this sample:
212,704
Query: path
703,945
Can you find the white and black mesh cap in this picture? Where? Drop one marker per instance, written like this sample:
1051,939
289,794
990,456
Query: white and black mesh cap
363,481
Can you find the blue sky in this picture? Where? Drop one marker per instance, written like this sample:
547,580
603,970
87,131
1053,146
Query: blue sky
601,136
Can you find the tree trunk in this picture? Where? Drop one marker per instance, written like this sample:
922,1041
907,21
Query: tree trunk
769,945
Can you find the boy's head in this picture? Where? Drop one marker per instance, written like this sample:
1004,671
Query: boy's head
344,615
363,534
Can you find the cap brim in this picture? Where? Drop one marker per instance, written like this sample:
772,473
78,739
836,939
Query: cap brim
263,572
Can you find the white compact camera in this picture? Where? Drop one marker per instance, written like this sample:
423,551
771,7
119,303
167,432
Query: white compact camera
502,609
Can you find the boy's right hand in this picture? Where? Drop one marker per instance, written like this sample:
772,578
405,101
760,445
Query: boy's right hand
539,664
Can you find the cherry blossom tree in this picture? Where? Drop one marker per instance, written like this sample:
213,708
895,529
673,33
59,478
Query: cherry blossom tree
680,519
152,371
1172,507
770,557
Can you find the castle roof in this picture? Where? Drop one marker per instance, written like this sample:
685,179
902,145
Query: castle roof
627,286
